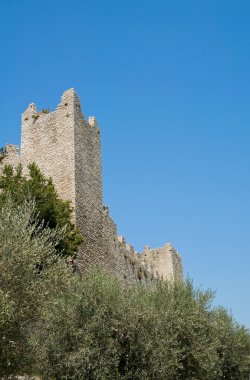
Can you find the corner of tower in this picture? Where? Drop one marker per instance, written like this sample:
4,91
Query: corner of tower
29,114
175,263
70,98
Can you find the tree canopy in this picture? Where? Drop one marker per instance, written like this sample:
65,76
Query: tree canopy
24,290
51,210
57,325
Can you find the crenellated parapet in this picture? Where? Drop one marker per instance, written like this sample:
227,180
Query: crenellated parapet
122,258
135,269
159,263
164,262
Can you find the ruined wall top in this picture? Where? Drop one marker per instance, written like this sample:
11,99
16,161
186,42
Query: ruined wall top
70,97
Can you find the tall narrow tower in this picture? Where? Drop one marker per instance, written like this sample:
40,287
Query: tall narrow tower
67,148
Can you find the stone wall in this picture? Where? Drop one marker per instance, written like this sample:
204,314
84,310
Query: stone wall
88,189
164,262
67,148
11,156
48,140
121,257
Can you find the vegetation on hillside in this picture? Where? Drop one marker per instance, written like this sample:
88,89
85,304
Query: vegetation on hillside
56,325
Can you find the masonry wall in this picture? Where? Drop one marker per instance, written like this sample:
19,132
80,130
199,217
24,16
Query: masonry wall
88,188
11,156
164,262
122,257
48,140
67,148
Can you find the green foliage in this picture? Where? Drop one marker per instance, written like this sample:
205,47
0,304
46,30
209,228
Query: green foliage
45,110
233,348
24,290
55,325
99,330
51,210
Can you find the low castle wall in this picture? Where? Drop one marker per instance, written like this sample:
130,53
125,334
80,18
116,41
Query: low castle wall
122,257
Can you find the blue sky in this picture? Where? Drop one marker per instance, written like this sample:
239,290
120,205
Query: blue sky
169,82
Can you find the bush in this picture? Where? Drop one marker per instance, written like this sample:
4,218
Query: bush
100,330
58,326
25,245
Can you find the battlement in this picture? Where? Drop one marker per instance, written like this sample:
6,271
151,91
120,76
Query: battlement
165,262
70,102
30,113
70,97
67,148
135,266
68,107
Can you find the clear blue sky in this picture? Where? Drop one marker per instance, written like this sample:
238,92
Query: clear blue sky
169,82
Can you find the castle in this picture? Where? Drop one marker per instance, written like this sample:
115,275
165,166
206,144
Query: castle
67,148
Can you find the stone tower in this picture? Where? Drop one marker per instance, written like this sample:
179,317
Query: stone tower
67,148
